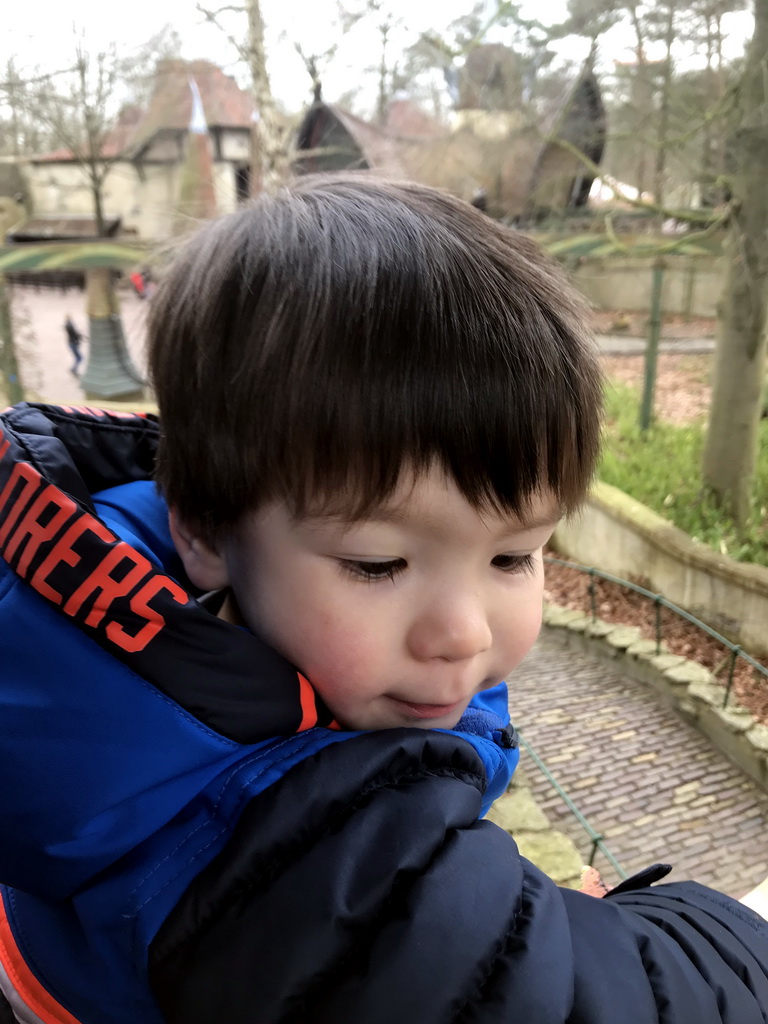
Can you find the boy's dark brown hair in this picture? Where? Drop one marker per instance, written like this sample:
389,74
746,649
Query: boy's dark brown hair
311,346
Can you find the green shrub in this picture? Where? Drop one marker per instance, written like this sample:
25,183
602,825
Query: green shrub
662,469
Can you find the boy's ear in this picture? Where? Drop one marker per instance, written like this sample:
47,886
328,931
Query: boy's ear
203,563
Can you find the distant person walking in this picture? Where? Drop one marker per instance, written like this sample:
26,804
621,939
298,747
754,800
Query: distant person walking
74,340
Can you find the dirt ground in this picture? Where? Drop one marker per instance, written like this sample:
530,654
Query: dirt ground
683,387
683,380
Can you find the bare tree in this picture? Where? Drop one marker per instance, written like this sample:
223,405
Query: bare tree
386,69
730,453
714,83
270,160
79,113
21,127
140,69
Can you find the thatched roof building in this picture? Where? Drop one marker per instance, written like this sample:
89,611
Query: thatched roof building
331,139
493,152
561,179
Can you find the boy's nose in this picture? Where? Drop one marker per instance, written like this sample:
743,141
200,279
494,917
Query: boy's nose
452,629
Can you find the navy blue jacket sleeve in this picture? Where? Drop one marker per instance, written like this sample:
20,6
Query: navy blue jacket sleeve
361,888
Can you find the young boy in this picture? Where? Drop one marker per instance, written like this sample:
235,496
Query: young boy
245,746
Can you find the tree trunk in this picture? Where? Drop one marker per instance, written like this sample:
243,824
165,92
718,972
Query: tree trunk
270,164
383,99
641,97
730,452
109,372
98,208
659,183
9,367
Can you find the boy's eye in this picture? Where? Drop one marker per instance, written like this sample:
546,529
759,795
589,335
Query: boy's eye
366,570
515,563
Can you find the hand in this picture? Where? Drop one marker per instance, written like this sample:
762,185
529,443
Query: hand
591,883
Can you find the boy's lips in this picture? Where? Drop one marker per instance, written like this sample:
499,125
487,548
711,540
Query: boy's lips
425,710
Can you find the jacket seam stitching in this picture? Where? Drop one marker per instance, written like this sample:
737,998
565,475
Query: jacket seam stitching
243,800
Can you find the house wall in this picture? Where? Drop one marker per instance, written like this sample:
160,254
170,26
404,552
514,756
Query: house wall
224,187
164,148
236,145
59,188
143,201
150,200
143,196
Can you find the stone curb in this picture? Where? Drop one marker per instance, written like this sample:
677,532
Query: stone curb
689,688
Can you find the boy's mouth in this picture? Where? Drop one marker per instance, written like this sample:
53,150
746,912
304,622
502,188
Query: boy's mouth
425,710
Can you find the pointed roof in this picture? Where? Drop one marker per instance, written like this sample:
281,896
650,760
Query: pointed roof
369,146
172,103
197,122
171,107
560,180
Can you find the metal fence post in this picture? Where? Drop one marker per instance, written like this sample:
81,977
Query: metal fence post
731,667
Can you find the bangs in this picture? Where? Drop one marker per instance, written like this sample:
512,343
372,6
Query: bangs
502,437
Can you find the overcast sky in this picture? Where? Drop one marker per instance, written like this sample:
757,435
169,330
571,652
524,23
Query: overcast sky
45,40
39,32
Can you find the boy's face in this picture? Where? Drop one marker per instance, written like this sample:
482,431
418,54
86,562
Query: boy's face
399,619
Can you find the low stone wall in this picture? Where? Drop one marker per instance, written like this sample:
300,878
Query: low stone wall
688,687
552,852
691,285
621,536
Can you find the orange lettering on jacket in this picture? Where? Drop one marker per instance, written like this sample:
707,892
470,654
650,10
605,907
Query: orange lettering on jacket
40,522
22,484
103,585
140,606
33,531
62,552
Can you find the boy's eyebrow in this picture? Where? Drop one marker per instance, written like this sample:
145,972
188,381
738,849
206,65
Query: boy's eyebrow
395,516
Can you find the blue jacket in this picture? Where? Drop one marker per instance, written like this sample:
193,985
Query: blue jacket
185,839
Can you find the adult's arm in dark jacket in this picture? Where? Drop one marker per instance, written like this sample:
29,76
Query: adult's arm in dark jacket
362,889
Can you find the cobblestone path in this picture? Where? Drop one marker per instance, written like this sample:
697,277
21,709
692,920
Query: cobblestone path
655,788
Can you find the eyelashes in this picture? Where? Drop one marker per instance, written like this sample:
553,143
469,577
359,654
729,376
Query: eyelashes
523,564
370,571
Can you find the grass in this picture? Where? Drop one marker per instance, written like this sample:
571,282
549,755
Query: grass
662,469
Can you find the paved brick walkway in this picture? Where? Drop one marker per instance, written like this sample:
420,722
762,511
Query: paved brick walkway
655,788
